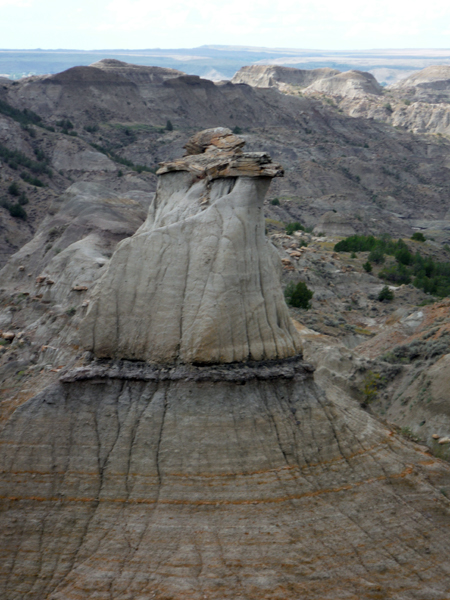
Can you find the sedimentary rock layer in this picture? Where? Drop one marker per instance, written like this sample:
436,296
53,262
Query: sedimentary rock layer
125,488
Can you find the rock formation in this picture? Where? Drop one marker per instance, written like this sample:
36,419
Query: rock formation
351,84
431,84
187,270
276,76
130,480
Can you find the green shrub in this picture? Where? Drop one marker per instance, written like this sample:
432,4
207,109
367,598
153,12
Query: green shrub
367,267
15,158
13,189
237,130
295,226
65,124
275,202
24,117
32,180
423,272
91,128
23,200
169,126
18,212
298,295
370,386
377,256
418,237
396,273
386,295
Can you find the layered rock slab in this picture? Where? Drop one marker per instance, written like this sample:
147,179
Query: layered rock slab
197,282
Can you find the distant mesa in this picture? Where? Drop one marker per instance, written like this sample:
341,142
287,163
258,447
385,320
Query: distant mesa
136,73
436,74
351,84
273,75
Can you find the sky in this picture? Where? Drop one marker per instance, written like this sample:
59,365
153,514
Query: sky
143,24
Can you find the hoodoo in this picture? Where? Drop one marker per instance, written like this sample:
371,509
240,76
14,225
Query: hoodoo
192,454
196,283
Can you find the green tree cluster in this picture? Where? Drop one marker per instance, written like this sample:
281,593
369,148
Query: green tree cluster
298,295
423,272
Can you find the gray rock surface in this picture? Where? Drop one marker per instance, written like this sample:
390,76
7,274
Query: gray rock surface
196,282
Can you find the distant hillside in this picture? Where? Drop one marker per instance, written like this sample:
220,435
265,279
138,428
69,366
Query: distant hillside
222,62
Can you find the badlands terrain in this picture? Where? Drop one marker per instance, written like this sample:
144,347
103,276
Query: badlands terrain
133,467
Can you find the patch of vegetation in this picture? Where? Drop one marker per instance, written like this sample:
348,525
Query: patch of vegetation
91,128
122,161
376,256
295,226
15,210
423,272
14,158
298,295
13,189
370,387
32,180
349,175
24,117
275,202
237,130
169,126
418,237
408,434
367,267
65,124
71,311
419,349
386,295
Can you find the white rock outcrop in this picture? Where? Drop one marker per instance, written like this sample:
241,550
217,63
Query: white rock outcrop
197,283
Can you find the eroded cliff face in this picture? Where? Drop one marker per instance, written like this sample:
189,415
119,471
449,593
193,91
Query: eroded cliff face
141,479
